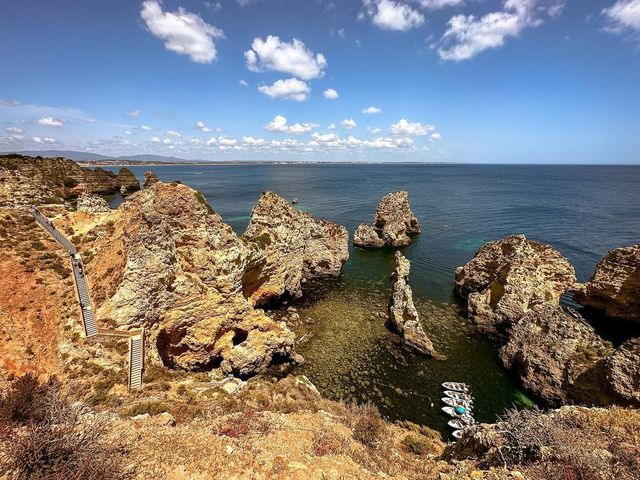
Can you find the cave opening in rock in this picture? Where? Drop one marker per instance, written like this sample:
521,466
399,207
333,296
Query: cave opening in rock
239,336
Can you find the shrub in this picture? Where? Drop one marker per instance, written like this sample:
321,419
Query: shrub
203,202
367,424
417,445
24,401
327,443
152,407
243,423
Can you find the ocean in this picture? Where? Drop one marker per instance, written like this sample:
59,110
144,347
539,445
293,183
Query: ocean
583,211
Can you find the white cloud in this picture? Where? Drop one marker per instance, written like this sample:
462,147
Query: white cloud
212,141
128,132
438,4
332,126
201,126
407,129
294,58
50,122
166,141
623,16
290,89
466,35
392,15
227,142
244,83
37,139
195,140
155,139
14,130
330,93
436,136
183,32
371,110
254,142
348,123
146,128
49,140
374,130
173,133
279,124
133,113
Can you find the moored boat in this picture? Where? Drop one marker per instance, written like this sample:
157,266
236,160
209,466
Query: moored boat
458,395
455,411
458,433
453,402
456,386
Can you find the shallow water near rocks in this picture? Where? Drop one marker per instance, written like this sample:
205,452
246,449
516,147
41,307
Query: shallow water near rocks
583,211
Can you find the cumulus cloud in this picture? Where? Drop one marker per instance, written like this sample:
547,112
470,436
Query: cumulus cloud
467,35
290,89
201,126
371,110
14,130
146,128
330,93
50,122
183,32
244,83
348,123
173,133
438,4
226,141
155,139
623,16
332,126
405,128
392,15
293,58
279,124
133,113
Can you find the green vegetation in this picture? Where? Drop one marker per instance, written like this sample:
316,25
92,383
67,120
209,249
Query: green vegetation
152,407
203,202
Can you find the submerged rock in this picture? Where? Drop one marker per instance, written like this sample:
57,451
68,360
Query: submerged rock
173,266
288,248
508,277
556,356
90,203
623,371
393,221
614,288
150,178
403,316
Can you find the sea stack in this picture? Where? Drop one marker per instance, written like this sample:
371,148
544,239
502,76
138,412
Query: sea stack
403,316
614,288
393,223
150,178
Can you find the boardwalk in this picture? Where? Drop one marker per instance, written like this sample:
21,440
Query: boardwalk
136,339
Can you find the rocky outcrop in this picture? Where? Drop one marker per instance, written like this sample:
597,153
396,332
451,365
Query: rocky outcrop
173,266
614,288
28,180
89,203
403,316
150,178
556,356
288,248
393,223
127,181
508,277
623,371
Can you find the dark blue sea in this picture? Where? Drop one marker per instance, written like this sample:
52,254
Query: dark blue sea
583,211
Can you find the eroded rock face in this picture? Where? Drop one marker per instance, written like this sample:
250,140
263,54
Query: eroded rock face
403,316
614,288
150,178
393,221
173,266
288,248
29,180
508,277
623,371
556,356
90,203
127,181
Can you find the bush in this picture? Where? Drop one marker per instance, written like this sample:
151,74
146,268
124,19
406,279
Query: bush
417,445
367,424
57,441
24,401
203,202
327,443
152,407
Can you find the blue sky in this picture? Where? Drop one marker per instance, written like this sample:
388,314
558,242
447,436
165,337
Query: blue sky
512,81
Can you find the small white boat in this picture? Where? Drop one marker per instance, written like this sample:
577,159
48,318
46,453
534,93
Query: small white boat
454,402
458,424
458,433
455,411
456,386
458,395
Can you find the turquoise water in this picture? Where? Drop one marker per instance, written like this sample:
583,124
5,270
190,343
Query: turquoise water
583,211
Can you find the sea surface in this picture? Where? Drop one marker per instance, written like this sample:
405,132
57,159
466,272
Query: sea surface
583,211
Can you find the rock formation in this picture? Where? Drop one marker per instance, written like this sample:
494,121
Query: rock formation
288,248
623,371
127,181
173,266
403,316
90,203
393,221
556,356
149,179
614,288
28,180
508,277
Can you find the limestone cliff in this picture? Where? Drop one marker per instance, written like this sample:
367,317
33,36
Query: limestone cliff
89,203
288,248
27,180
149,179
615,286
508,277
393,221
623,371
557,357
403,316
172,265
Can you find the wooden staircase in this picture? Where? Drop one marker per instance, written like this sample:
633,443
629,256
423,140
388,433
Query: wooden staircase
136,360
